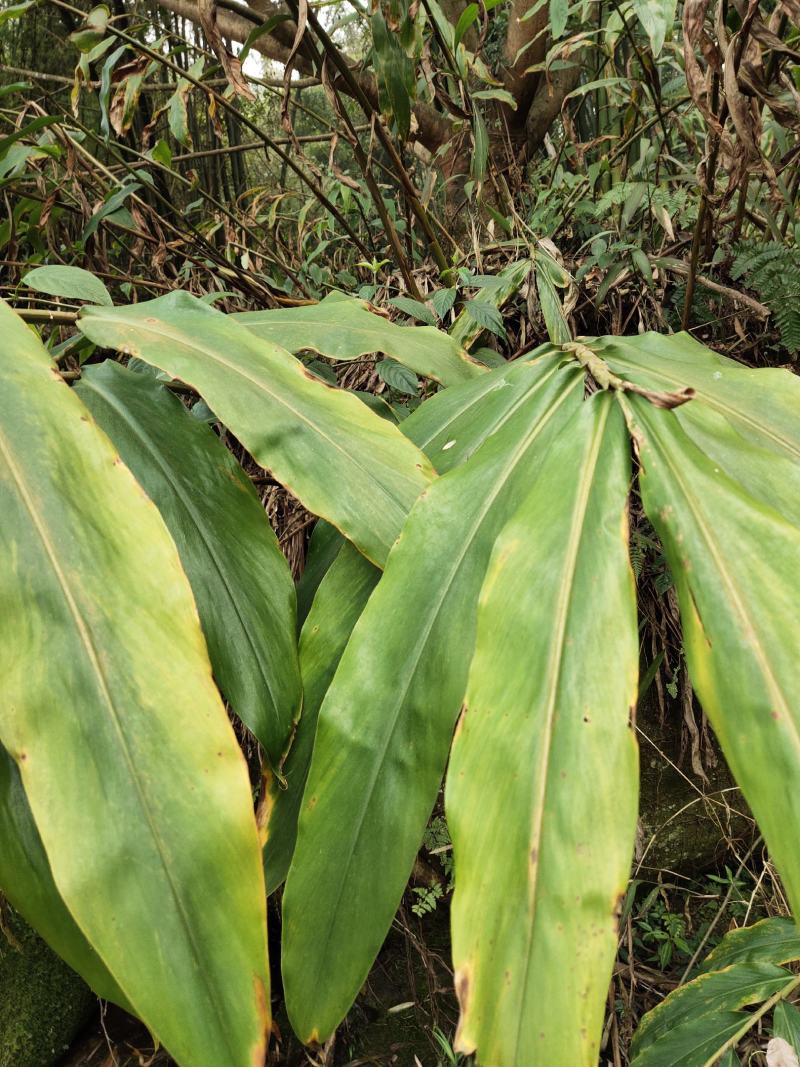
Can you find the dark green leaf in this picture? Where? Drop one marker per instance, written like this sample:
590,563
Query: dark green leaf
240,580
398,377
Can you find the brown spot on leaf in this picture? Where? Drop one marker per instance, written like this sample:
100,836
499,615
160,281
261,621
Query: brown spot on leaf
462,989
534,856
262,1006
460,723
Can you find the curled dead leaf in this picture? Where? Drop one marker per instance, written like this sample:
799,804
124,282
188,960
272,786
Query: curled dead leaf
207,11
781,1054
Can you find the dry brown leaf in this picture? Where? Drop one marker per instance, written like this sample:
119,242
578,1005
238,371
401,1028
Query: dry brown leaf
781,1054
207,11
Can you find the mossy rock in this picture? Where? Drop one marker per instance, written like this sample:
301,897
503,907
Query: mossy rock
43,1003
686,825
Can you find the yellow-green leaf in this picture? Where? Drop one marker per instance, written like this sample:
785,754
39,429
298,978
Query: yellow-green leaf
736,564
542,786
27,882
342,327
135,781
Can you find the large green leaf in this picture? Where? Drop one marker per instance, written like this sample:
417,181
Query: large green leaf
469,412
339,601
692,1027
773,940
136,784
763,406
344,462
693,1024
656,18
342,327
542,785
239,577
453,424
747,421
386,722
27,882
736,564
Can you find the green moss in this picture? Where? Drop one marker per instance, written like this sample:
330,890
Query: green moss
42,1002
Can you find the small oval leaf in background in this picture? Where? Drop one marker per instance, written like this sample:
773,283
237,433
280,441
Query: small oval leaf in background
342,461
135,781
239,577
70,282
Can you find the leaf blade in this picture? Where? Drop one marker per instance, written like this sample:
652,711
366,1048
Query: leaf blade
345,463
736,564
240,579
111,685
364,787
344,328
545,732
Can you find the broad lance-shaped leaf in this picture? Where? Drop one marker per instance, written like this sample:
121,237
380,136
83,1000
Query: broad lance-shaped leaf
450,426
27,882
342,327
239,577
386,722
131,769
762,406
339,601
344,462
695,1022
773,940
736,564
545,734
735,406
469,412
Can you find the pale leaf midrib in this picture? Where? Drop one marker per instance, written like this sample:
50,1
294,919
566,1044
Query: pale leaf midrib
554,671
